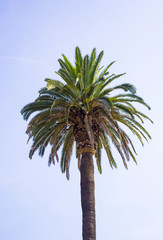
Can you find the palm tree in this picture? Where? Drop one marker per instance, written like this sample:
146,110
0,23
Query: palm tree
84,110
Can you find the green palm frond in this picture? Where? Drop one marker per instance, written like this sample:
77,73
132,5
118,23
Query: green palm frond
124,109
98,156
115,140
105,142
92,58
143,115
111,79
69,67
95,69
101,86
34,107
66,76
105,71
85,72
133,129
67,151
129,98
53,83
78,60
126,87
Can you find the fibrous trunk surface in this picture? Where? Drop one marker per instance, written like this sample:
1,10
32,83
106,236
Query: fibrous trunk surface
85,130
88,196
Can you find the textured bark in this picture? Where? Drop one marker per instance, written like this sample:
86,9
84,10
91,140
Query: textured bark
85,129
88,196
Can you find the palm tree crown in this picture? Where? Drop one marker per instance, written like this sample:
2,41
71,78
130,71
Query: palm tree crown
85,110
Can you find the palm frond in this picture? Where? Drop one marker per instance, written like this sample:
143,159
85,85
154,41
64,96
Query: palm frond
126,87
95,69
107,147
92,58
69,66
105,71
130,99
34,107
66,152
66,76
85,68
115,141
110,79
53,83
98,156
78,60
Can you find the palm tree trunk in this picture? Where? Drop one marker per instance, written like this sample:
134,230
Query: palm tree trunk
88,196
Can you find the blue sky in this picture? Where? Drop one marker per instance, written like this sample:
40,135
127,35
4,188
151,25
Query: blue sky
37,202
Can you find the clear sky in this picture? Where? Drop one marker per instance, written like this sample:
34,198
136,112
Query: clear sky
37,202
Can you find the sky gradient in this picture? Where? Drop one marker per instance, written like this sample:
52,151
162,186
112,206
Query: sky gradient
37,202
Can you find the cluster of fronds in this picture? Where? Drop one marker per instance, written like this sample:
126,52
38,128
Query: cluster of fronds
86,89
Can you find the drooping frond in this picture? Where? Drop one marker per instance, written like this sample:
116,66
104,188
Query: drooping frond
34,107
67,152
126,87
105,142
98,156
124,98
